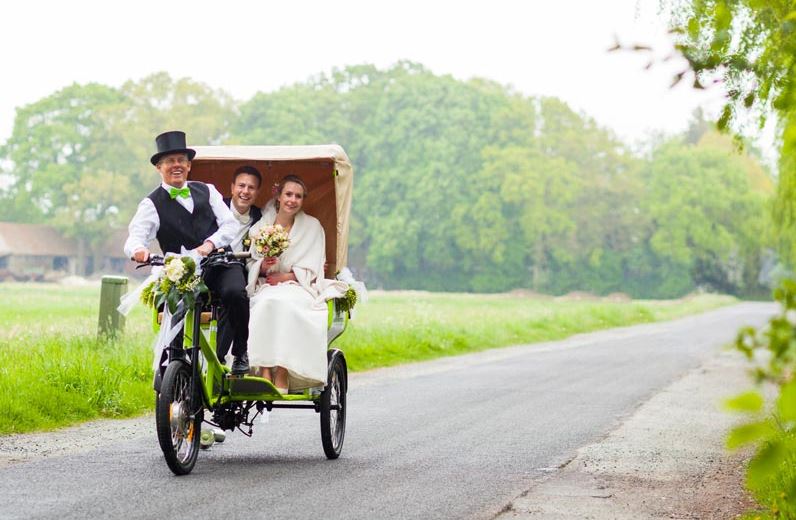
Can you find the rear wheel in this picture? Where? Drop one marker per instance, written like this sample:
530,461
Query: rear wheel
333,406
178,417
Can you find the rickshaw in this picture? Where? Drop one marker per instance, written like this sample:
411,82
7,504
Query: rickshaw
197,382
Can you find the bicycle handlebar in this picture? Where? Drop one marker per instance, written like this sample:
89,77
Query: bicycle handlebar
219,256
222,256
153,260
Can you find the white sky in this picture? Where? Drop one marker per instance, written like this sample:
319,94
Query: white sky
244,46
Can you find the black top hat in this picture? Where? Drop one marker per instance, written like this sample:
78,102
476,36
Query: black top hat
171,142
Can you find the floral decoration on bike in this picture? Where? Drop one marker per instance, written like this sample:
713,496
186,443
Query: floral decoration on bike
347,301
177,281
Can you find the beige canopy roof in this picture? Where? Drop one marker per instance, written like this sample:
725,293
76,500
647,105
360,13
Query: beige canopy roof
325,169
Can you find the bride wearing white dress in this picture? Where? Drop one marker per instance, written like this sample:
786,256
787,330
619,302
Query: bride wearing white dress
287,327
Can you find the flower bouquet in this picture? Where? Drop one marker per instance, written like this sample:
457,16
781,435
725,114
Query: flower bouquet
177,281
271,241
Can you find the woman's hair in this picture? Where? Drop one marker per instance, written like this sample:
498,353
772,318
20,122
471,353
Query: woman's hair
278,187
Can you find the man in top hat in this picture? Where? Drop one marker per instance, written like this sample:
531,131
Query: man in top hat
193,215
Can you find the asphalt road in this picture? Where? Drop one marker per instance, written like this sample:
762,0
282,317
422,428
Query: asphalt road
454,438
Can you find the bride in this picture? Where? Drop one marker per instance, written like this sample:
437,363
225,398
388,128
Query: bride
287,327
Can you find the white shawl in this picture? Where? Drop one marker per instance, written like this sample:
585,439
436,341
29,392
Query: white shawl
305,257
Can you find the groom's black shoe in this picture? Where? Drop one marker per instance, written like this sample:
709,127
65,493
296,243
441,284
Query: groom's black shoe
240,365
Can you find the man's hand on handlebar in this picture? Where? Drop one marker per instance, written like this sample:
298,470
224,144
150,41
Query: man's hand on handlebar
151,260
141,255
206,248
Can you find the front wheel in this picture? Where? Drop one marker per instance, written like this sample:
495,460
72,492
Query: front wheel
178,417
333,405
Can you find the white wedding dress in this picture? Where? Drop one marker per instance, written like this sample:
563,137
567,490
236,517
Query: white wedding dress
288,321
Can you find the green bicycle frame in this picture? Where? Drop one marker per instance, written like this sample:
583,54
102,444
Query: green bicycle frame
218,387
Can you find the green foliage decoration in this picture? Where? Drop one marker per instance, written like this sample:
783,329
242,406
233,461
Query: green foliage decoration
347,302
178,281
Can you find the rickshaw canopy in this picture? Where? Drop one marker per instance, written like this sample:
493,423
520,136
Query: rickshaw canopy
325,169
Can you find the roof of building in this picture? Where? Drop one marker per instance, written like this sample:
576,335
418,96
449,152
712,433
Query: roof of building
34,240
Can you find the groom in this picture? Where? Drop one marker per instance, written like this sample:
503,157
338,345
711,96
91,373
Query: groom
245,187
193,215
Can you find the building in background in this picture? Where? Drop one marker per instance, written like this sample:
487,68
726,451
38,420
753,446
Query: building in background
36,252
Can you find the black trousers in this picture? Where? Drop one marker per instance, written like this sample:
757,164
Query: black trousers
227,284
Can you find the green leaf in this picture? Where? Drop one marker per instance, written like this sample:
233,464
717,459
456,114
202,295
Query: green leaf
172,300
724,120
786,403
765,464
693,27
750,401
747,433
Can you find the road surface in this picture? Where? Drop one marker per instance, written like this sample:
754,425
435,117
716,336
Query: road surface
453,438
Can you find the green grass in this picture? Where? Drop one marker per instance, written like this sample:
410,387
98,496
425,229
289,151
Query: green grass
54,371
58,381
403,327
776,492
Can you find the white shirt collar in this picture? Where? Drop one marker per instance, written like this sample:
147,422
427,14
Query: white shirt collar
243,219
168,187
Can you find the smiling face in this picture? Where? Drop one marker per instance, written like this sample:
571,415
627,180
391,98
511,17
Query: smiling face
291,199
174,168
244,188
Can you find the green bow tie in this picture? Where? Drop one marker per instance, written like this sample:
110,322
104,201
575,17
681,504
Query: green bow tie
180,192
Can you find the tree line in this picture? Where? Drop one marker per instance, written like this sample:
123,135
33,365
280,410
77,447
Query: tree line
459,185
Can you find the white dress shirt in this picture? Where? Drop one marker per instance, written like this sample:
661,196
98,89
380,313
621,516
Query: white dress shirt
145,223
244,223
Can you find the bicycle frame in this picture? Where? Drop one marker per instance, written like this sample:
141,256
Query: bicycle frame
218,386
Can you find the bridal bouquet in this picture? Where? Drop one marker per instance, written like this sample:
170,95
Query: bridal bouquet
177,281
271,241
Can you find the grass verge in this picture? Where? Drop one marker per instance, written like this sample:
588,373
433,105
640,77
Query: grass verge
59,381
405,327
54,372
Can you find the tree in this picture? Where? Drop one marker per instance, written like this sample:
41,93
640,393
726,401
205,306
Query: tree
78,159
750,46
59,150
158,103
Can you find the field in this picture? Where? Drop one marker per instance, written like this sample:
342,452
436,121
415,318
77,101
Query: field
54,371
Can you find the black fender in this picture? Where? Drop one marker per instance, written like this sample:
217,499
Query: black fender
159,371
333,353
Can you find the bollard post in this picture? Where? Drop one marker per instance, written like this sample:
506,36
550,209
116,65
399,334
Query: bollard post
111,323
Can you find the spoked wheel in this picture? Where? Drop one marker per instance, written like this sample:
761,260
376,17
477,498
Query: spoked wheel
333,406
178,417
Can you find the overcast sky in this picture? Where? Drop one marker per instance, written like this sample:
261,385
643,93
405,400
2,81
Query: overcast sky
538,47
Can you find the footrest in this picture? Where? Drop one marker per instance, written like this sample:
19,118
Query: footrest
250,385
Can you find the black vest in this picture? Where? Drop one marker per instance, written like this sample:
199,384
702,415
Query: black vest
178,227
